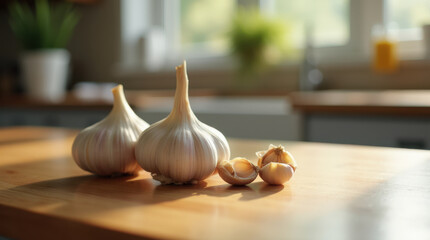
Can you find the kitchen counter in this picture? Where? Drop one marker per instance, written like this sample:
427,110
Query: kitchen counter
338,192
399,103
86,107
377,118
102,99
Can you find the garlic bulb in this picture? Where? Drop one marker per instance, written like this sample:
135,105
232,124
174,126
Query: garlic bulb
107,147
238,171
181,149
277,166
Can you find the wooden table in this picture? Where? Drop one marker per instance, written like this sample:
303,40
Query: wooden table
338,192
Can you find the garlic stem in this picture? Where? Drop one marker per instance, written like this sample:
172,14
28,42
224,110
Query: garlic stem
181,109
119,101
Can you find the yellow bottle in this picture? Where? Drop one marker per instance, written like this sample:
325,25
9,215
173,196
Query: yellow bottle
385,58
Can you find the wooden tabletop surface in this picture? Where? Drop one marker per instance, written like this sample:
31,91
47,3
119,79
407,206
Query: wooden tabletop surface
338,192
393,102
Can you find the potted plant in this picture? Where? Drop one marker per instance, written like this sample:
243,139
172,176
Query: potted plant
257,42
44,34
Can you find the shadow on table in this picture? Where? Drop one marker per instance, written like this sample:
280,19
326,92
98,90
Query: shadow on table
96,193
249,192
140,189
149,191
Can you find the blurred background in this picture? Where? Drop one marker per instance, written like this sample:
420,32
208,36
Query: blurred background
341,71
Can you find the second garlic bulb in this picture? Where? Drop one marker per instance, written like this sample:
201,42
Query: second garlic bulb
107,147
181,149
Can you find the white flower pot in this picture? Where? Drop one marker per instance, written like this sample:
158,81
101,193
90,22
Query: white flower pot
45,74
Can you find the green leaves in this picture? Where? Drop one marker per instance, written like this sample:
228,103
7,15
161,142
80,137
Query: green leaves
254,37
46,27
43,17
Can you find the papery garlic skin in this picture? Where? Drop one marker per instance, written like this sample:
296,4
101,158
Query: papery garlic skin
238,171
276,173
107,147
181,149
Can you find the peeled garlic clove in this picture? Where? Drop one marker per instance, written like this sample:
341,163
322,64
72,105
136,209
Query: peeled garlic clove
276,173
107,147
276,154
181,149
238,171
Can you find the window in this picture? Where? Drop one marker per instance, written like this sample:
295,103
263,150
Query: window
204,24
198,28
328,19
406,17
341,29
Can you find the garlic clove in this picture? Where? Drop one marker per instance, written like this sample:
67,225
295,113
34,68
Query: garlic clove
238,171
276,165
107,147
276,173
276,154
181,149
